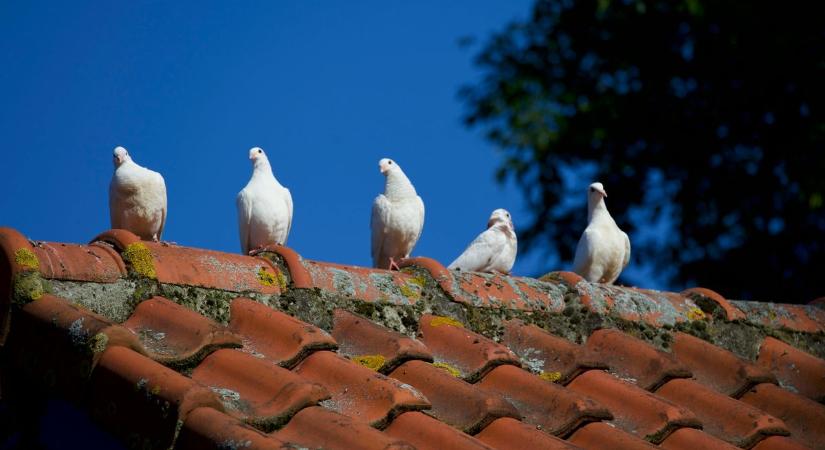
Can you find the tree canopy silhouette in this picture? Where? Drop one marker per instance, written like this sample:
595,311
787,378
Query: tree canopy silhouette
706,118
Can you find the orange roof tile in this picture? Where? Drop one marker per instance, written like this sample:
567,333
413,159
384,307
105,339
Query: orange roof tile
174,347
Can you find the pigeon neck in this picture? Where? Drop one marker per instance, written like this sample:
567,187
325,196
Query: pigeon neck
398,186
597,209
262,170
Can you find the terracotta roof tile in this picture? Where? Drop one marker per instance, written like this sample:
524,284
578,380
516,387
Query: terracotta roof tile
380,347
59,344
79,262
369,285
723,417
257,391
359,392
175,335
779,443
551,356
454,401
274,335
716,367
600,435
472,354
142,401
555,409
635,410
510,434
317,427
635,360
210,429
427,433
795,369
804,417
70,310
693,439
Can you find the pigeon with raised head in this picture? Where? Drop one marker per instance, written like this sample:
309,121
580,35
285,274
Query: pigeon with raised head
137,198
397,217
264,206
494,250
604,249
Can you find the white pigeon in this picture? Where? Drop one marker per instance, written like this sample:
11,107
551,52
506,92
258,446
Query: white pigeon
603,250
264,206
137,198
397,217
494,250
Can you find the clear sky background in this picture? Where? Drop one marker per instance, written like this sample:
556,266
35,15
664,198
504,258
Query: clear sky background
326,88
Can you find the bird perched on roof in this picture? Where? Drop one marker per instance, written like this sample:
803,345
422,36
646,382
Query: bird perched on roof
137,198
264,206
604,249
397,217
494,250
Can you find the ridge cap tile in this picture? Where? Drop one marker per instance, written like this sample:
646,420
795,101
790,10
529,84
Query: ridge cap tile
633,358
77,262
635,410
471,353
796,370
454,401
363,283
255,391
317,427
209,429
373,345
510,434
804,417
557,410
717,368
723,417
427,433
358,392
272,334
175,335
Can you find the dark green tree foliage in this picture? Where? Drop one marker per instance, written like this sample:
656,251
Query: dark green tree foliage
714,108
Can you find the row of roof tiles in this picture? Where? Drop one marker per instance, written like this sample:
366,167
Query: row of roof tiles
118,254
267,379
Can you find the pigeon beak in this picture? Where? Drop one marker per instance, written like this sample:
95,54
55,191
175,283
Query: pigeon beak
603,192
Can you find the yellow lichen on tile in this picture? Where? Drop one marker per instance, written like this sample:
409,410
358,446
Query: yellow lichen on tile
695,313
552,377
139,256
27,259
450,369
372,362
266,278
441,320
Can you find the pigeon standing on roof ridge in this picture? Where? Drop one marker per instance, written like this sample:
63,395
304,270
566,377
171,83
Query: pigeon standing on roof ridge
137,197
264,206
494,250
397,217
604,249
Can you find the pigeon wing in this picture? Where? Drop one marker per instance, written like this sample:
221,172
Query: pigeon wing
584,252
162,189
288,200
378,225
626,250
480,253
244,204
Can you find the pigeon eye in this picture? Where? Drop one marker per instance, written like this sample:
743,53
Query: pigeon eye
390,163
260,151
592,189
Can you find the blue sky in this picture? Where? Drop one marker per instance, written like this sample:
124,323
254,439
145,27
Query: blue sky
327,89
